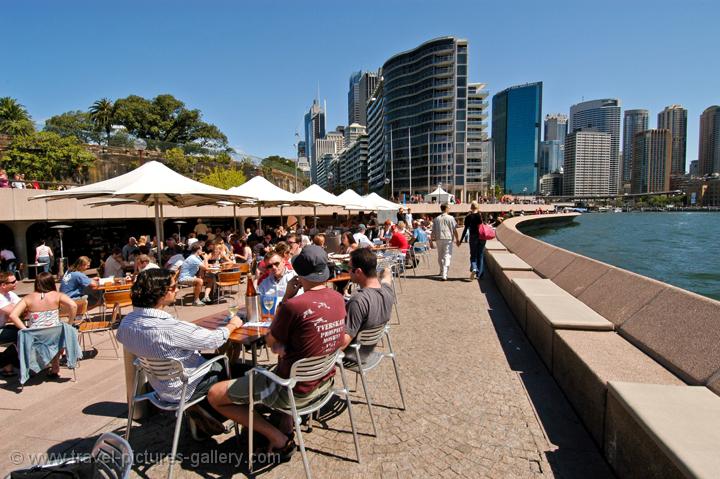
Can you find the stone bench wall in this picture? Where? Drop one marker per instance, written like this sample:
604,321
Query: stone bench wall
677,328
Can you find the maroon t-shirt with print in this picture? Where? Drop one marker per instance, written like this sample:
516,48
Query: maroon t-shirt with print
308,325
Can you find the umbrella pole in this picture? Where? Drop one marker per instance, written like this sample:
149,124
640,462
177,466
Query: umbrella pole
157,219
259,218
235,218
161,238
281,216
315,217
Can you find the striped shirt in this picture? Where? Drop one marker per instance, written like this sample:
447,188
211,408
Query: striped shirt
153,333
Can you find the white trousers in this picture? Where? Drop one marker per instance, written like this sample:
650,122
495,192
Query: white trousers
444,251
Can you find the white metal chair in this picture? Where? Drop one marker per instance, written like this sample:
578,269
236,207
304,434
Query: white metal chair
168,370
382,264
354,361
112,455
308,369
421,250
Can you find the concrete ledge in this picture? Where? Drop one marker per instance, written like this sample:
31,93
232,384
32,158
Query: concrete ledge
509,261
504,279
521,288
584,361
681,423
494,245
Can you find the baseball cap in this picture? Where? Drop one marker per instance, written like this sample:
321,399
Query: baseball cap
312,264
361,226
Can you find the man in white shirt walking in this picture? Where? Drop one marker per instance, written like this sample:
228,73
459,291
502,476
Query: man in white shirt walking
443,233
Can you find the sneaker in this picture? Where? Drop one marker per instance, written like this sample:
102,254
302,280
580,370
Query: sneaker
473,275
444,278
207,300
198,303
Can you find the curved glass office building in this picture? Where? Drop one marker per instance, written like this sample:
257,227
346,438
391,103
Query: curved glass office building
425,94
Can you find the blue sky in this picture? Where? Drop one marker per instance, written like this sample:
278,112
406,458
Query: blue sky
253,67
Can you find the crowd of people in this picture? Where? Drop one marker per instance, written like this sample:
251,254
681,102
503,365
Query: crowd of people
17,181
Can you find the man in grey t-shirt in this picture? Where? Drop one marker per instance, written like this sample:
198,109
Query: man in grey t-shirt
372,305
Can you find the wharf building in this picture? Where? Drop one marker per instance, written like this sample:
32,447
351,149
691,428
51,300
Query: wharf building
353,166
314,130
652,161
634,121
709,151
420,109
674,118
516,115
362,87
604,116
587,163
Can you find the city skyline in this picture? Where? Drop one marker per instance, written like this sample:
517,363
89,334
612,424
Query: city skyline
233,62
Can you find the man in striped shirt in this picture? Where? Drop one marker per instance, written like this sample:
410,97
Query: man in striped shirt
150,332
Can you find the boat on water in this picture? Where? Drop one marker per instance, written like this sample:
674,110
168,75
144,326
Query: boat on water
603,209
617,210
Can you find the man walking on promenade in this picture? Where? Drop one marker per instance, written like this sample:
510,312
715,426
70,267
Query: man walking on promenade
444,231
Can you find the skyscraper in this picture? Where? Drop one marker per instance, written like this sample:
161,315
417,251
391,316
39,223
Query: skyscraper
556,127
362,86
314,130
634,122
674,118
478,172
425,99
551,157
516,136
652,160
604,116
709,155
377,158
587,163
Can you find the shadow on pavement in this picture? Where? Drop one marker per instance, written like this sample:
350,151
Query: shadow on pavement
572,453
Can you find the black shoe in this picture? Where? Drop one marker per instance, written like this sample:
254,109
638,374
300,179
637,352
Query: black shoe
204,421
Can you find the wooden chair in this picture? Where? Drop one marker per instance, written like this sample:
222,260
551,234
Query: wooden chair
115,300
227,280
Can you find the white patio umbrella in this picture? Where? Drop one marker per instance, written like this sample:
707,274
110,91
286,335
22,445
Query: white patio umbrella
152,184
353,201
263,193
316,196
381,203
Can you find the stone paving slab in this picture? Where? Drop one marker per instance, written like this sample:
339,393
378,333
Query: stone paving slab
479,404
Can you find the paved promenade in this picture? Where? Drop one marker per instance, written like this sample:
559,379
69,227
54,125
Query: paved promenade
479,404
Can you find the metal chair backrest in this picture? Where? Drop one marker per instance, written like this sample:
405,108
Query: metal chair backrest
113,456
370,337
317,367
162,369
229,278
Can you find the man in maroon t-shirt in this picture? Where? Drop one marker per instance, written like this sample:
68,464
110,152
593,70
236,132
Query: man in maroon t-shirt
306,325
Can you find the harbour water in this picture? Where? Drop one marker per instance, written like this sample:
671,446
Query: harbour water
677,248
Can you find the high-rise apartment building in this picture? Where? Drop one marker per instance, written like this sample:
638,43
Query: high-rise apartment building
353,132
377,158
353,166
634,122
604,116
327,149
516,137
314,130
338,136
362,86
674,118
425,110
652,161
587,163
709,154
556,127
478,171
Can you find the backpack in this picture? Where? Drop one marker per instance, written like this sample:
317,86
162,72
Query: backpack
485,232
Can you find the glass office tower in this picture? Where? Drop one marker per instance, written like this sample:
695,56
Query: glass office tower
516,135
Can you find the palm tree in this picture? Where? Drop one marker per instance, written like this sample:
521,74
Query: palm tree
102,113
14,118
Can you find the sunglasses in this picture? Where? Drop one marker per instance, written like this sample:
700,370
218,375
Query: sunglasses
10,282
274,265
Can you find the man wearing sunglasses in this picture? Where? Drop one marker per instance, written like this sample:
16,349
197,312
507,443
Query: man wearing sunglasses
277,280
8,332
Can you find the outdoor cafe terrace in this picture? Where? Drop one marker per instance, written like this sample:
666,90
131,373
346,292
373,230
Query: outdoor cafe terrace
480,403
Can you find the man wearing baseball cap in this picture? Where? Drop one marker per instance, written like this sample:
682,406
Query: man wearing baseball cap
361,238
305,325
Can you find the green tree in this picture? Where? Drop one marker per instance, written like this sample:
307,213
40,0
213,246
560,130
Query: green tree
14,118
164,121
47,156
102,114
176,159
74,123
224,177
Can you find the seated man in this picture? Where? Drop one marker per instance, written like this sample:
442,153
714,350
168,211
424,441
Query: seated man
398,238
372,305
306,325
420,237
150,332
278,276
192,272
8,332
114,264
361,238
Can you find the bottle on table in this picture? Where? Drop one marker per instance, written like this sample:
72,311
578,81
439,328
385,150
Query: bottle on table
252,300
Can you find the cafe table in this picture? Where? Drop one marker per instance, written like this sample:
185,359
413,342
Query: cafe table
245,336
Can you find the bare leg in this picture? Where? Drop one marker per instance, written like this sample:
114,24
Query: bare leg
218,398
197,287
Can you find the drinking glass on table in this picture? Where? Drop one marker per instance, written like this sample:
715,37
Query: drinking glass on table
268,304
232,307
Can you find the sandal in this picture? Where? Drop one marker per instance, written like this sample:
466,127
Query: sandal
285,453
